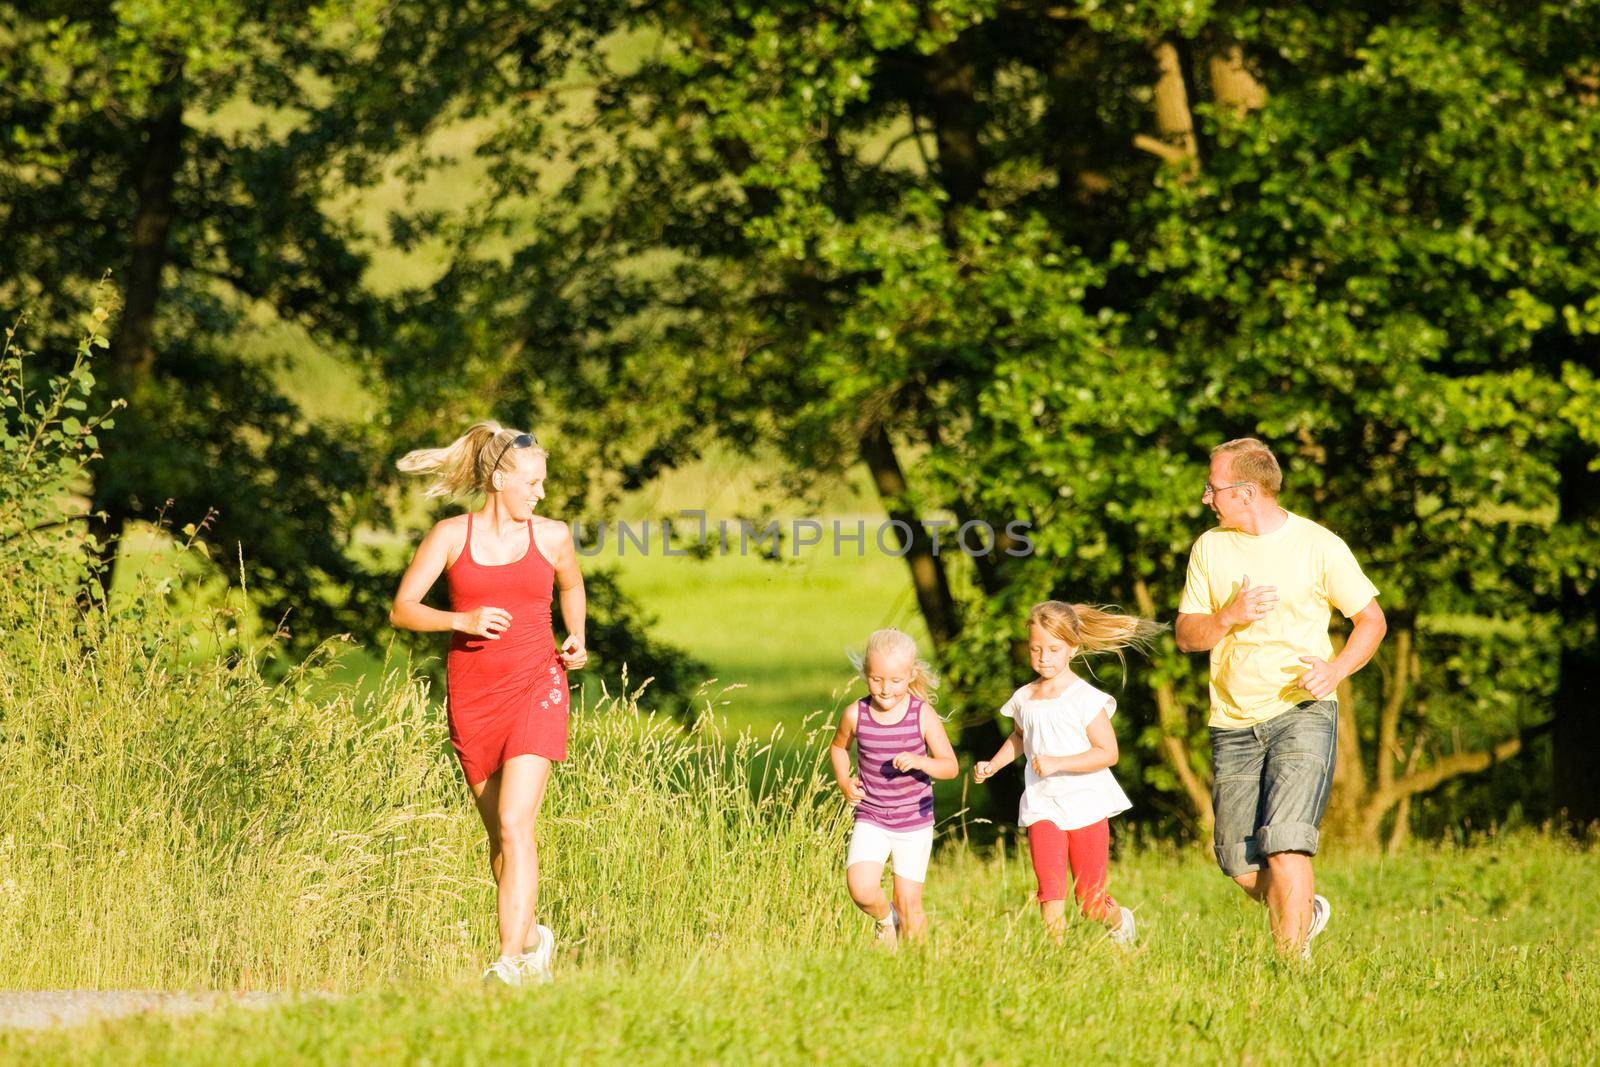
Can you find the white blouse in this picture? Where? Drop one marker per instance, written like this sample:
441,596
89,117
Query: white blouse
1059,726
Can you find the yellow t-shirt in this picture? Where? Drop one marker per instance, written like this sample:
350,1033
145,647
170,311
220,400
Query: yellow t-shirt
1255,668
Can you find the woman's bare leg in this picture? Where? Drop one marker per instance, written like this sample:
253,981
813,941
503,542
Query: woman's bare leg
509,803
486,796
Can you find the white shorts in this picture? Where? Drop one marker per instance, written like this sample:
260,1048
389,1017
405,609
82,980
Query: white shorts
910,849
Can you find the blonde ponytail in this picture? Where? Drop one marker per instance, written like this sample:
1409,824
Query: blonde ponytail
892,642
1089,629
464,465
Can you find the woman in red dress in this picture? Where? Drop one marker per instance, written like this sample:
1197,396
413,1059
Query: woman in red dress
505,677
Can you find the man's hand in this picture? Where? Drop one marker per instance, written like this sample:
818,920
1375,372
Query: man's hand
1250,603
1320,678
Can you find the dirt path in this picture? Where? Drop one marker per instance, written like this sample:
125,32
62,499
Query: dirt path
46,1008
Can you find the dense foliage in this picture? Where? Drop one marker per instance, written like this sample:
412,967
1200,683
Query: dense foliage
1025,262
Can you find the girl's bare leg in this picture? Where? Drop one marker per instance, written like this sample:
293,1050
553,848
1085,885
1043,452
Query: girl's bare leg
908,902
1054,914
865,882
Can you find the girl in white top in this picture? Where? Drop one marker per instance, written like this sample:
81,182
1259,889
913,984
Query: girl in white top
1063,728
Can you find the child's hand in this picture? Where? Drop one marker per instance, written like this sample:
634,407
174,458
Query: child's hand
1044,766
853,793
982,771
908,761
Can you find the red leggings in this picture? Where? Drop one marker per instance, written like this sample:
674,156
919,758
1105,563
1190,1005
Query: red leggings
1088,849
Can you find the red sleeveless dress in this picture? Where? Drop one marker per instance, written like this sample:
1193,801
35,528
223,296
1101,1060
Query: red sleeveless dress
507,697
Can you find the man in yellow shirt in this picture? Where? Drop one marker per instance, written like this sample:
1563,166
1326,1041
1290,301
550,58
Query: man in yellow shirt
1258,596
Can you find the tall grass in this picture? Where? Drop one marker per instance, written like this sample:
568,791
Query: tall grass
173,823
183,821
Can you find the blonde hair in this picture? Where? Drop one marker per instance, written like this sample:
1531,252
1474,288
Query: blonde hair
464,465
892,642
1252,461
1090,629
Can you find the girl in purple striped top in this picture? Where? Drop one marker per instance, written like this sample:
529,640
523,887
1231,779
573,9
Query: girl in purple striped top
901,747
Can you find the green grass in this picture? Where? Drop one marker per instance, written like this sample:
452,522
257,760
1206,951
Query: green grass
173,824
1489,954
175,821
178,822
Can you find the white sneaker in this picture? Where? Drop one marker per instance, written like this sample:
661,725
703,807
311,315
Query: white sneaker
889,927
503,971
1127,933
535,963
1321,912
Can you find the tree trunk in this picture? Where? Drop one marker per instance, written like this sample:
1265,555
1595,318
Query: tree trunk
1401,830
979,734
133,351
1349,770
927,570
1232,84
949,90
1175,140
1406,669
950,87
1174,743
1577,702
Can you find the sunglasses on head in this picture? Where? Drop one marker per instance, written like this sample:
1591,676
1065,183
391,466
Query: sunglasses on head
522,440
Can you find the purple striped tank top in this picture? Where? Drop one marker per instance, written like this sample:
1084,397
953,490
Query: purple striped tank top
895,800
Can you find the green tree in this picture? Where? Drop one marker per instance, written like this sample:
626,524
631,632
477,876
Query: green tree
115,161
48,439
126,150
1026,263
1388,270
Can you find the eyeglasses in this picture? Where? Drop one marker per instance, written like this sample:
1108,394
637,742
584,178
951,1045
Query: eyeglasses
1212,490
522,440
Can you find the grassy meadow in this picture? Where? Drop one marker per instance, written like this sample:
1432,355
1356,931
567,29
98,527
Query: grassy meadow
1442,956
181,823
176,820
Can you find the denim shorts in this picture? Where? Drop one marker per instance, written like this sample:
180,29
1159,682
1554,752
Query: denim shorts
1270,785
